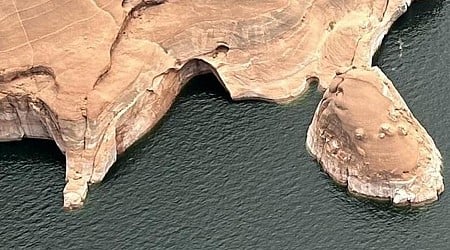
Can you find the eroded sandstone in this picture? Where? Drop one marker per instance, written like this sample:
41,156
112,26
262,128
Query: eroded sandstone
365,137
97,75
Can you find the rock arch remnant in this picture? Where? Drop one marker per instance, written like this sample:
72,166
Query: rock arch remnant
96,75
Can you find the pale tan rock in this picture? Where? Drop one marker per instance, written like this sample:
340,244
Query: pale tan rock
405,168
96,75
75,193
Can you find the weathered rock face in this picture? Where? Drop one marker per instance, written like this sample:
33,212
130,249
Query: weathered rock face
365,137
96,75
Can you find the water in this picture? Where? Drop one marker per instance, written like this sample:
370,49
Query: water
217,174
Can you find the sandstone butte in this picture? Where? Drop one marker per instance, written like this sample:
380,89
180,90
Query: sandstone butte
96,75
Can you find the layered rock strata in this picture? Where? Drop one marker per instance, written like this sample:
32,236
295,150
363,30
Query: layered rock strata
96,75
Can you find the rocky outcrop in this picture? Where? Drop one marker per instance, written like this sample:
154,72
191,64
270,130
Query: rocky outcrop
365,137
99,78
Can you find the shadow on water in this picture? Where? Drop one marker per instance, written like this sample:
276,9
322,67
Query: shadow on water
202,84
30,170
208,84
31,150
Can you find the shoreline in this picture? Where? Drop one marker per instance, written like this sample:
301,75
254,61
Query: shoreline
125,92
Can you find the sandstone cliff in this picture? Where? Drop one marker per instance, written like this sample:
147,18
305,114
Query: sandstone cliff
96,75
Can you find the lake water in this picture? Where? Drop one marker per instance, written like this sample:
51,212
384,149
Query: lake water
222,175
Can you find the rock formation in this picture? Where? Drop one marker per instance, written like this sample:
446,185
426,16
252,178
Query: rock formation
96,75
365,137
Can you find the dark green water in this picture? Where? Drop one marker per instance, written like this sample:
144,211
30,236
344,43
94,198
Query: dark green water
226,175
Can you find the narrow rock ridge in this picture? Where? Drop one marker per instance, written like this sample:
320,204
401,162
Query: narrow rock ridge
99,88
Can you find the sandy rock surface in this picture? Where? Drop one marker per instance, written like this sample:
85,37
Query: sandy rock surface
365,137
96,75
